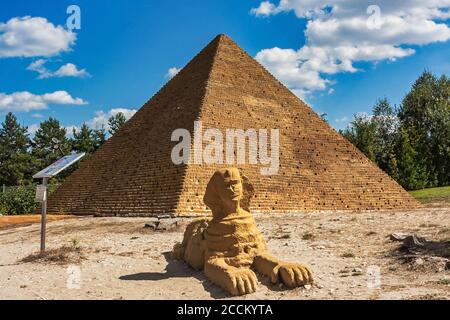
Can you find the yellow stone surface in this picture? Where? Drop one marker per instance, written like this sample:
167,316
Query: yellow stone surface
229,247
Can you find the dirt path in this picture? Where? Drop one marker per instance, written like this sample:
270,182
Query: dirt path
23,220
124,260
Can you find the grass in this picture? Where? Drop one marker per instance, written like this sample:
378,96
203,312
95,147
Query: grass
64,255
440,194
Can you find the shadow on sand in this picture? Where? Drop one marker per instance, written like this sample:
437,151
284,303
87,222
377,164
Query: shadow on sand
177,269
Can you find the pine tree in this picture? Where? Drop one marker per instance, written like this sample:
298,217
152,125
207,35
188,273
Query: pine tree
43,146
116,122
83,140
15,162
99,136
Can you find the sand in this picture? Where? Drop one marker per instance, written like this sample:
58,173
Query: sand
117,258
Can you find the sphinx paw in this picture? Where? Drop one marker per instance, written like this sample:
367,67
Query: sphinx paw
241,281
292,274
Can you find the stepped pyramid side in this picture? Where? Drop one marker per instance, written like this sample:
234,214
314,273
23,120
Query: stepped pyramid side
319,169
132,173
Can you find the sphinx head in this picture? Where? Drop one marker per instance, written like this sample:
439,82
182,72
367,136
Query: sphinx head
224,192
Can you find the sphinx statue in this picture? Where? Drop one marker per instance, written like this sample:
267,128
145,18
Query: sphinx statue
229,248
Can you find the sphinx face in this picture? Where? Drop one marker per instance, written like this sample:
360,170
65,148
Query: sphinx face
229,187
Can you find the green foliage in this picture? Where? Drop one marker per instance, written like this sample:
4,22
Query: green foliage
411,144
99,136
14,159
43,147
83,140
412,171
20,200
362,133
440,194
21,157
116,122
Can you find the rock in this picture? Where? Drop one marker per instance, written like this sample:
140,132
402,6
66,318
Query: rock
163,224
307,286
414,242
398,236
359,270
419,261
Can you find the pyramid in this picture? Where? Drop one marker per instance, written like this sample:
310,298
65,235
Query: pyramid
132,174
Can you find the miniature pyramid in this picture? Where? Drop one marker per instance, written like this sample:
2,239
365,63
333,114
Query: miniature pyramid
132,174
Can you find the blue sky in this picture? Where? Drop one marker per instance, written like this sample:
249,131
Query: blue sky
121,55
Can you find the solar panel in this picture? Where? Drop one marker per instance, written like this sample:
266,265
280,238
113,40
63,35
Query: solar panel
58,166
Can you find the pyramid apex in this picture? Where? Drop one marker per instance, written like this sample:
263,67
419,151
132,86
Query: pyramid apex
222,37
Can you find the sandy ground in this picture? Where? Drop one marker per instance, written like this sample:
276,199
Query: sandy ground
124,260
24,220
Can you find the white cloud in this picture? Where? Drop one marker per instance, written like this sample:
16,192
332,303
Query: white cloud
71,70
26,101
67,70
69,130
38,66
341,32
32,129
33,37
37,115
342,120
172,72
265,9
101,117
35,127
61,97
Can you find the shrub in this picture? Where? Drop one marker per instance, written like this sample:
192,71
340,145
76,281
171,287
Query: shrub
20,200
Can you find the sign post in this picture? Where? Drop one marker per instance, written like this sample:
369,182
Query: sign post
44,213
41,190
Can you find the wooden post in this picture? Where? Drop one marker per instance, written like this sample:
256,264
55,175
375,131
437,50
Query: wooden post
44,216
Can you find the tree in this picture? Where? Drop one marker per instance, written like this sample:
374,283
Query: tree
43,146
83,140
411,168
116,122
386,124
99,136
362,133
425,115
411,143
15,162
